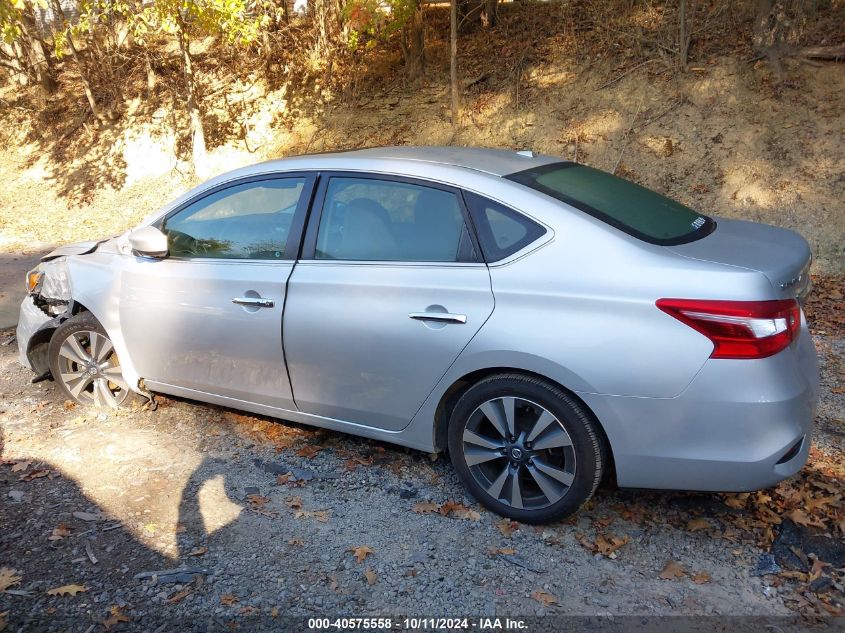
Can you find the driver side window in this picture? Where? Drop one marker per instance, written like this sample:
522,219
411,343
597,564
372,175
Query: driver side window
247,221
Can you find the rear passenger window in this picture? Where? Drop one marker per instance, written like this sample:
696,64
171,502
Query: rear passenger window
367,219
501,230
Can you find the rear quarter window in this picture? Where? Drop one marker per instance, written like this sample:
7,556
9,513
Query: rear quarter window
501,230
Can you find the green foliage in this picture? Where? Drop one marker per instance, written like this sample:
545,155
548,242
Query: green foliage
230,19
372,20
10,16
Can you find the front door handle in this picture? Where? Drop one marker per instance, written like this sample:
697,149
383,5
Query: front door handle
254,302
440,317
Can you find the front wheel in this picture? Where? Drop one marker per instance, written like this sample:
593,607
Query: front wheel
525,448
83,362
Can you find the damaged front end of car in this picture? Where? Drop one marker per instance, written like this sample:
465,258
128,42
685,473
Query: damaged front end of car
49,302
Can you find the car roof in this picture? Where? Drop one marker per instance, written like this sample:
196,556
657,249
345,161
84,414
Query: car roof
498,162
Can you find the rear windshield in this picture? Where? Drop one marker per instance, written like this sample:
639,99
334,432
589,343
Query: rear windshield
621,203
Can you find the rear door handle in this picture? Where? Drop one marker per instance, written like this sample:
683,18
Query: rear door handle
255,302
441,317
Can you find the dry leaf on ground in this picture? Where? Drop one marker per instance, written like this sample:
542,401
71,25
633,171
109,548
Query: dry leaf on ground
67,590
8,578
199,551
544,597
227,599
370,576
294,503
361,552
698,524
672,571
701,577
59,532
507,527
116,616
309,451
424,507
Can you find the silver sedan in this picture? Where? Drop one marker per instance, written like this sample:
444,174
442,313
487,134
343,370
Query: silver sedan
546,323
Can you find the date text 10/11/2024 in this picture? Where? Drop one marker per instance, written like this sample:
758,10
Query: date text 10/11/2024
418,624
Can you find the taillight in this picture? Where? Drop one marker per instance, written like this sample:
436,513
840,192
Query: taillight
739,329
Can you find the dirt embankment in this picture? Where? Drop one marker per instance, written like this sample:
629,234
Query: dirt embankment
728,137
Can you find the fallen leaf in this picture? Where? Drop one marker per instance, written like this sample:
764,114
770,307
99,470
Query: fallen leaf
65,590
247,609
257,500
115,618
672,571
607,544
698,524
274,612
701,577
507,551
35,474
228,599
736,501
294,502
180,595
296,541
424,507
19,466
544,597
361,552
371,576
321,515
199,551
801,518
59,532
8,578
507,527
309,451
604,522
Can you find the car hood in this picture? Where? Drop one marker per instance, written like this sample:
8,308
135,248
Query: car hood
77,248
783,256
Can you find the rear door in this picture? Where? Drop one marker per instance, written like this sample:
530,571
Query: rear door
209,317
389,290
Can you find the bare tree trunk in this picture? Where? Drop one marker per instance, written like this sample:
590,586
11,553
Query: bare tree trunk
83,74
413,43
683,36
490,13
39,53
453,60
198,152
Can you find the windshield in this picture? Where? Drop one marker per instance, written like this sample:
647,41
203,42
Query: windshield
634,209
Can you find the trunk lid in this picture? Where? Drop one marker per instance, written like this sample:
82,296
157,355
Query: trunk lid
783,256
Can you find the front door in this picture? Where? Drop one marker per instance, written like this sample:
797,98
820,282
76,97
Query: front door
209,317
389,291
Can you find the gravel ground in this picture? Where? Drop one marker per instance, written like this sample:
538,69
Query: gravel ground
263,518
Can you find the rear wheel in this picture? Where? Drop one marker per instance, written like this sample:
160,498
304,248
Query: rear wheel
83,362
525,448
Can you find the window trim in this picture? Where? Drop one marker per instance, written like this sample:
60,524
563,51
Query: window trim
294,239
536,242
703,231
309,243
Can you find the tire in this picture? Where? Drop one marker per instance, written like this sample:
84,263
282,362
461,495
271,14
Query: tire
93,380
525,448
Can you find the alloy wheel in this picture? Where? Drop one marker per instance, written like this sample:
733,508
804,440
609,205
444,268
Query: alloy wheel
90,370
519,453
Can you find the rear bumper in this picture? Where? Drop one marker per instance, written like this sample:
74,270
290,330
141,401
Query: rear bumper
740,425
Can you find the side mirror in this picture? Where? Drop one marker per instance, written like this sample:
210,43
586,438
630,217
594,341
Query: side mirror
148,241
